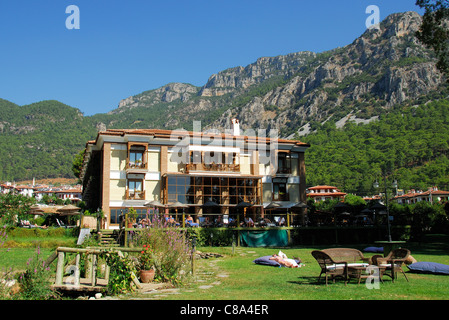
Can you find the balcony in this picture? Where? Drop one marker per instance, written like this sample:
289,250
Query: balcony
134,195
136,166
284,170
220,167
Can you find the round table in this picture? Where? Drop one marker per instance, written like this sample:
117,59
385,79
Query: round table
390,245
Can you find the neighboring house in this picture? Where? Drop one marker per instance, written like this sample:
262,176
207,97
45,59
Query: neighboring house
25,190
72,194
6,187
21,189
322,193
432,195
40,192
131,167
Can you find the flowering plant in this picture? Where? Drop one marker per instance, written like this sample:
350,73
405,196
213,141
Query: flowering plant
146,258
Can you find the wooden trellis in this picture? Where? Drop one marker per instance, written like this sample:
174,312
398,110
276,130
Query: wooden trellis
90,282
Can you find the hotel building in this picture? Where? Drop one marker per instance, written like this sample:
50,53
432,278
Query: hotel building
128,168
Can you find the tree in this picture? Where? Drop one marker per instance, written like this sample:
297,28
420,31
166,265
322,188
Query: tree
434,31
14,207
78,163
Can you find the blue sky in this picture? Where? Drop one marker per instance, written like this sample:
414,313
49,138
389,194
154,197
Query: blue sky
123,48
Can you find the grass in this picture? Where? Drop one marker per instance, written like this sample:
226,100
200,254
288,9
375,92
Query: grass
16,258
235,277
43,238
248,281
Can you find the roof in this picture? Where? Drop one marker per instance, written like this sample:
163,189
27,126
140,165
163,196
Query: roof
326,194
322,187
413,194
158,133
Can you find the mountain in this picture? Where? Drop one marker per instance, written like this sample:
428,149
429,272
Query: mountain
384,71
380,69
40,139
177,105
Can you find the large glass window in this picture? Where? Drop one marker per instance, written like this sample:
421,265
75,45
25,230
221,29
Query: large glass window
222,190
118,214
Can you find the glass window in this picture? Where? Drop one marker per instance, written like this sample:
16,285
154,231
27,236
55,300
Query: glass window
135,185
219,189
280,192
284,162
135,156
195,157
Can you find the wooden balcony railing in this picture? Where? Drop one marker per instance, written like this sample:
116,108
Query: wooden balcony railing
134,195
284,170
281,196
219,167
135,165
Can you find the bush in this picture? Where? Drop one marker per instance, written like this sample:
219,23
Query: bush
172,251
35,281
120,275
211,237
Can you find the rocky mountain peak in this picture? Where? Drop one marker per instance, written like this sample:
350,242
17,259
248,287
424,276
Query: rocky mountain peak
382,68
168,93
264,68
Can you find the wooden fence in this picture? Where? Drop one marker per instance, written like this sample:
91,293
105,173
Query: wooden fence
90,282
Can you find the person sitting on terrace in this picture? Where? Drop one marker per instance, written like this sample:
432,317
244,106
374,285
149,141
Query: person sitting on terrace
218,222
282,221
170,220
145,222
248,222
189,221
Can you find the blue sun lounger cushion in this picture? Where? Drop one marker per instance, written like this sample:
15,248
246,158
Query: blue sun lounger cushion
266,261
429,267
374,249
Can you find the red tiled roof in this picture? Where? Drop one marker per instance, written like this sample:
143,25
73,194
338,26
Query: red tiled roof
322,187
424,193
326,194
167,133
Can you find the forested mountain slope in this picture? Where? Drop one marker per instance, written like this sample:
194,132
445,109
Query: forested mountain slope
411,142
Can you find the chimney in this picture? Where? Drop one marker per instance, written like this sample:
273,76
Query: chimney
235,126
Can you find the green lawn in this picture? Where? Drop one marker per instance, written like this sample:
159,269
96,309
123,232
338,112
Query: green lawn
247,281
235,277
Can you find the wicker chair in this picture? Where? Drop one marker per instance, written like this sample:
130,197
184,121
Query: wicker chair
393,262
330,267
347,254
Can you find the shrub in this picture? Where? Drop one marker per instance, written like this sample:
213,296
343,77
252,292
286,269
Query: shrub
35,281
171,251
120,275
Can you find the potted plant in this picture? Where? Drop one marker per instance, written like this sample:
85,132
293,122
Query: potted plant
146,264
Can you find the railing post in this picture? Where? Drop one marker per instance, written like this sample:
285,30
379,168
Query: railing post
60,269
94,270
126,232
77,270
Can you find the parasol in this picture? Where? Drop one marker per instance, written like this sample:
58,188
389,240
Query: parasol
300,205
68,210
154,203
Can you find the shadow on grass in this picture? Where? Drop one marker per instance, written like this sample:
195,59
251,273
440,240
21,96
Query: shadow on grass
313,281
